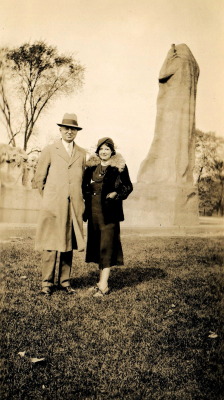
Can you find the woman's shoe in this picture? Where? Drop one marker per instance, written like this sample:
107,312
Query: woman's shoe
101,293
93,289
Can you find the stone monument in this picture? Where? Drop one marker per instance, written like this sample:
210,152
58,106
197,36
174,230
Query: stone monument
18,201
164,194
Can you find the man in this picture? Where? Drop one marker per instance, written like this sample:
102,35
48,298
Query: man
60,227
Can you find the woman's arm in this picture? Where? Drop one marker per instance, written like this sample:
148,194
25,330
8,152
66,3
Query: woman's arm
124,187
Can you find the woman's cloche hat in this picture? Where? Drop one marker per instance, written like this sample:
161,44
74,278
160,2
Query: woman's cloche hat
105,140
70,120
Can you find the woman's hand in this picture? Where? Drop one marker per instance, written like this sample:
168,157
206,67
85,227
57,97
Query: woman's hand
111,195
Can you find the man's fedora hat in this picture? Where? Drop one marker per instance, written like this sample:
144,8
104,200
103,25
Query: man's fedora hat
70,120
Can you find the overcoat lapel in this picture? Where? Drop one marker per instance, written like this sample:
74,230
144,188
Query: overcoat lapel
61,151
75,155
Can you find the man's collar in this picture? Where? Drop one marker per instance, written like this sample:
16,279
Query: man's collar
67,144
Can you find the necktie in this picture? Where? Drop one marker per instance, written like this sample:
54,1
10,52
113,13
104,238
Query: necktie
70,148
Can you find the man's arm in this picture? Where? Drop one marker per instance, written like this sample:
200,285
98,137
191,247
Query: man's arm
42,170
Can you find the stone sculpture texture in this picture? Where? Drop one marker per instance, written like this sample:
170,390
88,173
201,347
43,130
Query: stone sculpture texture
171,156
18,202
165,194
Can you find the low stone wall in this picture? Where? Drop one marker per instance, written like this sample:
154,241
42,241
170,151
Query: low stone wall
162,206
19,205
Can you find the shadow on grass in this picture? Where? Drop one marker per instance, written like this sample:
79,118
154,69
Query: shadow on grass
121,277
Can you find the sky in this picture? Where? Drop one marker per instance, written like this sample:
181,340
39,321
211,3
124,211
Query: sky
122,44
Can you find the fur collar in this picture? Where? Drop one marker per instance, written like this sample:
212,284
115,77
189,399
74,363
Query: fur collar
115,161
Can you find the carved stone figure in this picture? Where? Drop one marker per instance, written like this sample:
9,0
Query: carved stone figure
30,170
171,156
12,165
18,202
165,194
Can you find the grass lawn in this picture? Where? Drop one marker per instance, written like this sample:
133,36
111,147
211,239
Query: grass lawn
158,335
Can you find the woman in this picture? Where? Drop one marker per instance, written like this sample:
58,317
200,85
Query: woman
106,183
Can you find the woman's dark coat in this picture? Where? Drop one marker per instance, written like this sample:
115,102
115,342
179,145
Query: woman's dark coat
116,179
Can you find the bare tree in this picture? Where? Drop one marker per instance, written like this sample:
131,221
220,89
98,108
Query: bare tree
209,172
4,102
33,75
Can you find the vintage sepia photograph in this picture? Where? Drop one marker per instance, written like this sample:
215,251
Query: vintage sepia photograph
112,199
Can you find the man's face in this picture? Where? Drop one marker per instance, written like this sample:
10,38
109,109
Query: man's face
68,134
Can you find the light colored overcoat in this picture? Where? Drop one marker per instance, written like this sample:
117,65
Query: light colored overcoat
59,179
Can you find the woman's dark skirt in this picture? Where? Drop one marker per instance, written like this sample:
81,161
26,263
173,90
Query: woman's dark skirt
103,240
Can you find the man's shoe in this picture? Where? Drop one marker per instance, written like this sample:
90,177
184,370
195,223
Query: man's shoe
46,291
68,289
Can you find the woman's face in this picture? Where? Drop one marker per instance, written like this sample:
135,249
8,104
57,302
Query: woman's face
105,152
